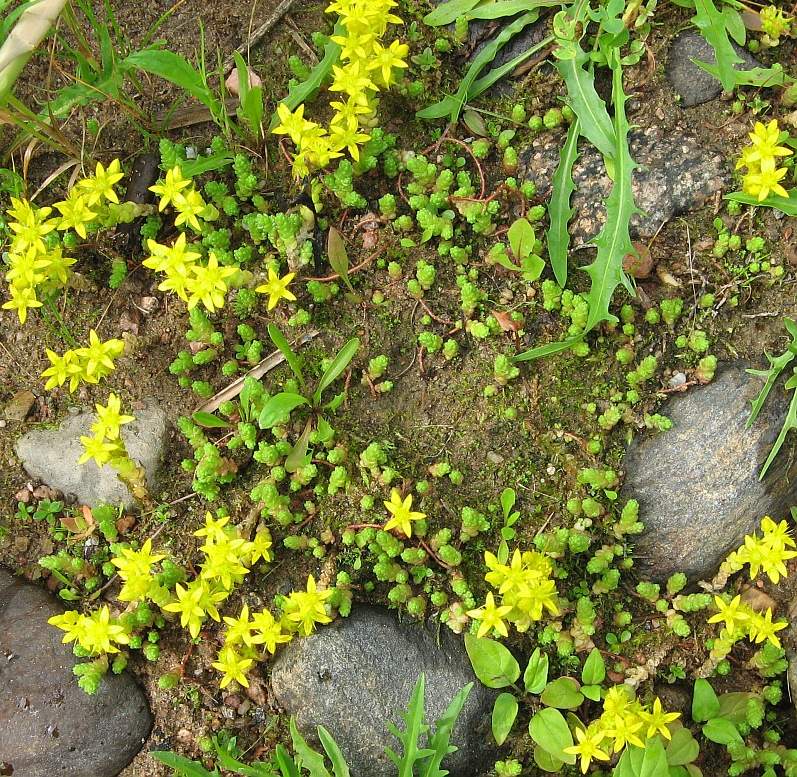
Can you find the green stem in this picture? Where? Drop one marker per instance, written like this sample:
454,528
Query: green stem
65,333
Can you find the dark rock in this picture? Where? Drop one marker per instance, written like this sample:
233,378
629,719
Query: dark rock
19,406
694,85
357,674
675,174
51,455
48,726
698,485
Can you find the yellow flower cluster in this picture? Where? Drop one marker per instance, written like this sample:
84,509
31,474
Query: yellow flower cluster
763,176
97,633
766,553
624,721
181,194
89,364
740,620
190,279
37,266
106,443
366,67
228,557
248,640
135,571
525,587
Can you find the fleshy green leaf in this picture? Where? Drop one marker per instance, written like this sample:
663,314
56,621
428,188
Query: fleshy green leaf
705,704
594,671
682,748
721,731
492,663
787,205
503,717
278,407
312,760
535,677
549,729
285,349
563,693
521,238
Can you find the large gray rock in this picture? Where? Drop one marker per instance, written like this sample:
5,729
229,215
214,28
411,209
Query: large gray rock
51,455
675,174
357,674
698,484
48,726
693,84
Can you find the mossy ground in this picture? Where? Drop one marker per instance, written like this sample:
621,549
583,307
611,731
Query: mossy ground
437,410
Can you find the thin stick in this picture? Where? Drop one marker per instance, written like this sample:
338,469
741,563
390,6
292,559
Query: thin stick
279,12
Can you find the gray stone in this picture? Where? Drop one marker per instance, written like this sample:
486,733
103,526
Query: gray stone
698,485
694,85
675,174
358,673
48,726
51,455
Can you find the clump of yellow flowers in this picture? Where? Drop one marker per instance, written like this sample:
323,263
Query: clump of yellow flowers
525,588
367,66
624,721
37,265
767,554
763,176
228,558
88,364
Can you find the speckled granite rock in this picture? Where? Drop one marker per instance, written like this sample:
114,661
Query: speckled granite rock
358,673
693,84
51,455
675,174
48,726
698,485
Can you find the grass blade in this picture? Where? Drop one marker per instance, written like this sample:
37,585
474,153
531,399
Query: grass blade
560,211
285,349
448,13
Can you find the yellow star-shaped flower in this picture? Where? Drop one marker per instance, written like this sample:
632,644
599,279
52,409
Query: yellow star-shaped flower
401,512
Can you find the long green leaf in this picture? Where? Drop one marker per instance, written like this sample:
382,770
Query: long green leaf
776,366
176,69
712,26
278,407
413,719
339,363
453,106
613,241
448,13
559,210
595,123
307,89
232,765
286,764
789,424
339,765
502,8
787,205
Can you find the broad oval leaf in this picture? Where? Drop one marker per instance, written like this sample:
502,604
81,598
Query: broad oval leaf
338,256
535,677
492,663
721,731
503,717
705,704
682,748
278,407
562,693
549,729
733,706
546,761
